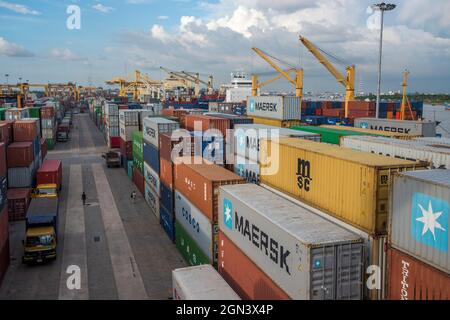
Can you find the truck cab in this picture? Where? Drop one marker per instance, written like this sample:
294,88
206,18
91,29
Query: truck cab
112,159
45,191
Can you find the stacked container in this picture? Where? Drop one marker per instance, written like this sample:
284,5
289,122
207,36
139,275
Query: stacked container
138,153
48,126
128,124
279,111
18,202
17,114
112,133
4,231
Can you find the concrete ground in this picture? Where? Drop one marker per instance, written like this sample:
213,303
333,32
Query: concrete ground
118,246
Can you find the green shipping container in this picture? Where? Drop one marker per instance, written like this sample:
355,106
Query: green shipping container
138,148
35,112
50,144
329,135
138,163
190,251
2,113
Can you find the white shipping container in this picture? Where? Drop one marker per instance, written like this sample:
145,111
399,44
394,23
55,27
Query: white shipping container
111,109
420,217
152,200
437,157
47,123
201,283
113,131
126,132
151,178
434,141
416,128
247,169
197,225
142,115
307,256
154,126
129,117
112,120
274,107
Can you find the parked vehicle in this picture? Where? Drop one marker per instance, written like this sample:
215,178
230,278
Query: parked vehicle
112,159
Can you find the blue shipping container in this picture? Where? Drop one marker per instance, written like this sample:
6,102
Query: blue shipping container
213,148
315,120
166,197
167,221
151,156
36,146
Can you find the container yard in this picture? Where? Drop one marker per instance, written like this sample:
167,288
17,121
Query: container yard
300,178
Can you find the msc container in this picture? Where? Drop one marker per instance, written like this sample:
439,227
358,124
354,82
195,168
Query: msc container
435,156
200,283
152,200
50,172
249,282
247,138
307,256
167,221
274,107
126,132
151,178
20,154
166,172
247,169
166,197
350,185
420,220
412,279
328,135
138,180
151,156
197,225
188,248
416,128
129,118
396,135
275,122
154,126
200,184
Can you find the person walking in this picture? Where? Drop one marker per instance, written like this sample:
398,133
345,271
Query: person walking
83,197
133,196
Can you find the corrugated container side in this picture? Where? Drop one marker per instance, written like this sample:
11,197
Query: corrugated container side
390,134
151,156
20,154
166,172
151,178
205,123
247,169
275,122
4,227
188,248
154,126
3,166
22,177
4,260
417,128
167,197
167,221
152,200
139,182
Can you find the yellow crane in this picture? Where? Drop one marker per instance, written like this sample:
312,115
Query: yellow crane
297,81
137,85
192,78
405,100
347,81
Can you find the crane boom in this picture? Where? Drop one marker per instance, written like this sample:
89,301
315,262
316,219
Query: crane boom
273,65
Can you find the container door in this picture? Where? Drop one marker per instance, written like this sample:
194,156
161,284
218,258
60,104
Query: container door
349,271
323,273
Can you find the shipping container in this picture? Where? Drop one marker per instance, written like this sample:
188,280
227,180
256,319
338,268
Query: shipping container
5,133
328,135
350,185
167,221
438,141
420,219
151,156
396,135
4,227
167,143
126,132
50,172
126,149
436,156
247,169
114,142
20,154
412,279
275,122
274,107
416,128
200,283
43,148
130,166
188,248
154,126
21,177
111,109
197,225
3,167
204,123
234,119
129,118
152,200
151,178
47,112
200,183
138,180
4,260
16,114
18,201
166,172
167,197
309,257
138,151
249,282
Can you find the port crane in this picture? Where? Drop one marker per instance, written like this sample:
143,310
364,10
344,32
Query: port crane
139,84
191,78
405,100
297,81
347,81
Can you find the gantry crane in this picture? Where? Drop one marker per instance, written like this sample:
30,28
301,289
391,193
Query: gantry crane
405,100
191,78
137,85
347,81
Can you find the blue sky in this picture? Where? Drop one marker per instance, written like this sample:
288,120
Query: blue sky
215,37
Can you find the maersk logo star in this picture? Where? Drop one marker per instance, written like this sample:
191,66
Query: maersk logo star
430,220
228,213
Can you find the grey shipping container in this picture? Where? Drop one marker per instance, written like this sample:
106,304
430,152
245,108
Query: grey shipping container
307,256
420,217
154,126
274,107
152,200
22,177
415,128
200,283
129,117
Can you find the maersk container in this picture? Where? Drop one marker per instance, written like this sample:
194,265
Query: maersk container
152,200
188,248
129,118
167,197
154,126
197,225
151,178
247,138
21,177
200,283
126,132
307,256
167,221
417,128
247,169
436,156
420,220
350,185
151,156
274,107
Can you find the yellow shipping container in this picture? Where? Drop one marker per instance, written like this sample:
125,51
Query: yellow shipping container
350,185
402,136
276,122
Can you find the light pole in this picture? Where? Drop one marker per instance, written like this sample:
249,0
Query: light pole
6,76
382,7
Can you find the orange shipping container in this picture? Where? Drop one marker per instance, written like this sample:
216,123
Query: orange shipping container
206,123
200,183
166,172
249,282
411,279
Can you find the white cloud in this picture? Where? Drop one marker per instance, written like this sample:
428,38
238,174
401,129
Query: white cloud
10,49
163,17
65,54
18,8
158,32
102,8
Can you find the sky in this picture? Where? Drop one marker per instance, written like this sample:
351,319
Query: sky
116,37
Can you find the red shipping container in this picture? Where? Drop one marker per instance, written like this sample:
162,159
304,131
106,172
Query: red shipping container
326,104
126,148
8,131
47,112
4,227
50,172
245,277
3,168
123,106
361,105
20,154
166,172
25,130
411,279
360,114
139,181
177,113
4,132
333,113
318,112
166,145
18,202
4,260
206,122
200,183
43,149
114,142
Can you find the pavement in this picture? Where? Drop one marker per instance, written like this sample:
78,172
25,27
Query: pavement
114,248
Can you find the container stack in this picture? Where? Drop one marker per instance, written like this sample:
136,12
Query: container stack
331,135
138,155
17,114
418,255
128,124
4,231
112,133
48,125
278,111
